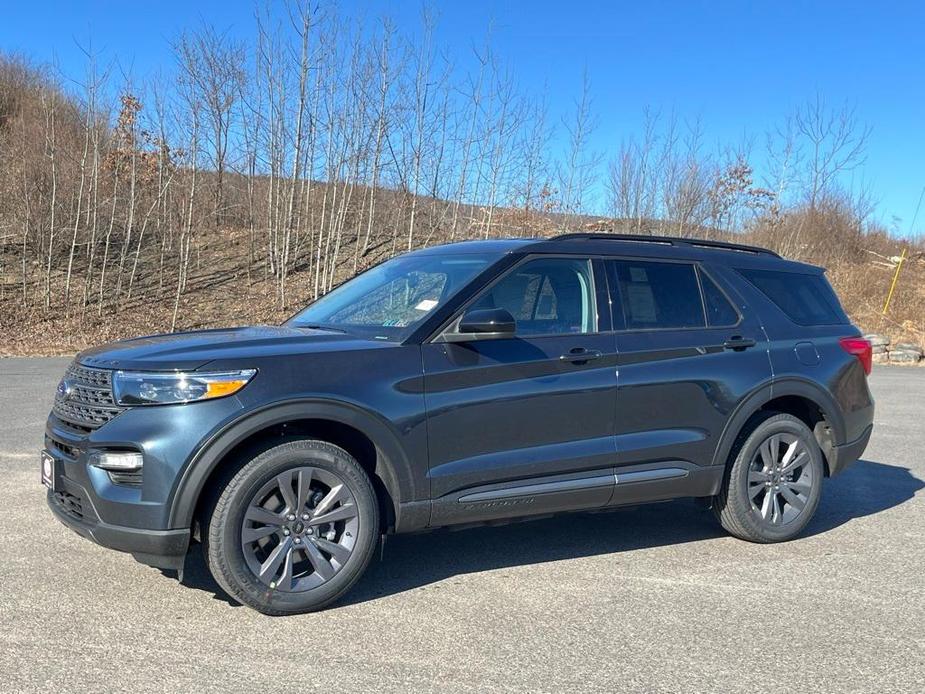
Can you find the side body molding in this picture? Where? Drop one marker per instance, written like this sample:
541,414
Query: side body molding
392,464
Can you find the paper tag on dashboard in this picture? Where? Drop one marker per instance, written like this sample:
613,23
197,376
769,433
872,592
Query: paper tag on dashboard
426,305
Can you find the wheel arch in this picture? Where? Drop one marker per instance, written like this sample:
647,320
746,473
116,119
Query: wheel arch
799,397
359,432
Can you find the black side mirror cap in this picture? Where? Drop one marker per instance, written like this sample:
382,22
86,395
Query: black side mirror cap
484,324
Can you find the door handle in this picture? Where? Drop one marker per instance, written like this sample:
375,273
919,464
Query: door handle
738,343
580,355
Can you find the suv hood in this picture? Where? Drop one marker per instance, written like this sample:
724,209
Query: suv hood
193,350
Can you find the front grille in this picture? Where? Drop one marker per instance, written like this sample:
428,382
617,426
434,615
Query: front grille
70,504
65,449
86,402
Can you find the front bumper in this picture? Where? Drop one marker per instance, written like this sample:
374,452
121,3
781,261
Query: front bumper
165,549
842,456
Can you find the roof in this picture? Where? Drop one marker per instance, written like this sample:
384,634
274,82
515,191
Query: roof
633,245
490,246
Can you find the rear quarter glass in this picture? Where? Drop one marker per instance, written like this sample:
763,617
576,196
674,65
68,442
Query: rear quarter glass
806,298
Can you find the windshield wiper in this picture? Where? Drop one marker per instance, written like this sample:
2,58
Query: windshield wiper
318,326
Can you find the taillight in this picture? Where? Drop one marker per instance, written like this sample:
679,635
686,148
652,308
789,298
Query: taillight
860,348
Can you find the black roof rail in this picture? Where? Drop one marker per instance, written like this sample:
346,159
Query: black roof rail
667,240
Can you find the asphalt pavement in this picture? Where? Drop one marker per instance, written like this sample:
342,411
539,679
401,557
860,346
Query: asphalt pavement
656,599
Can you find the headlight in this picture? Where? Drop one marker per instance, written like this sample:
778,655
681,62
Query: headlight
163,388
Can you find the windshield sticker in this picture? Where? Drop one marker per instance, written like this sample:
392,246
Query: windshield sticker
426,305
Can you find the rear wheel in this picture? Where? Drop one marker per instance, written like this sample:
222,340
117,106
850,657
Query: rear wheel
294,529
773,486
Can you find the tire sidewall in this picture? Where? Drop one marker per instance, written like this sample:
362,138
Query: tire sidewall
228,518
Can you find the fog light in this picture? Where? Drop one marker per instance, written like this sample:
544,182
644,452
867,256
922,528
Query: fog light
120,460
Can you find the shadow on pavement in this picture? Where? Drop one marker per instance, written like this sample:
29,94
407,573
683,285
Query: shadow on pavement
864,489
414,561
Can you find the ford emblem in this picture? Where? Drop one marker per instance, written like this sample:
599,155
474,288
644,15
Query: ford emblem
64,390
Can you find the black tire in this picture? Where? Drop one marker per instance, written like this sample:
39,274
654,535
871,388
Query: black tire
752,504
231,559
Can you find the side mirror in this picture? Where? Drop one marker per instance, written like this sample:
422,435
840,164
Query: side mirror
484,324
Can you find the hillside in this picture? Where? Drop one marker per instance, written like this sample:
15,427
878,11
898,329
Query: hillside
224,289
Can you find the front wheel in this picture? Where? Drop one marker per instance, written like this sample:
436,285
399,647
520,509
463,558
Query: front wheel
294,529
773,486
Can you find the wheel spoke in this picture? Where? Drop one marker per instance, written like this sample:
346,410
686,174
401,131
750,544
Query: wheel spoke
767,458
767,506
342,512
758,476
269,568
322,565
259,514
800,487
339,552
754,490
285,578
798,502
792,449
305,488
254,534
329,500
798,460
284,481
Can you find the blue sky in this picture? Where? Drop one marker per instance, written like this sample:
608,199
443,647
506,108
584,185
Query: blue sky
737,67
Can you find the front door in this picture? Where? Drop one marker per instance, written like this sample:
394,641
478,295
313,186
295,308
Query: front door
525,424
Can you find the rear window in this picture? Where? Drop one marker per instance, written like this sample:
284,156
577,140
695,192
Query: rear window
806,299
659,295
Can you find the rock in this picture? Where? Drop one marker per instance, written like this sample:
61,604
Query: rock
909,347
877,340
902,356
881,357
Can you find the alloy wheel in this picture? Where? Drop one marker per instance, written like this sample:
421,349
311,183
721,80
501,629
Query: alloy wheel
300,529
780,479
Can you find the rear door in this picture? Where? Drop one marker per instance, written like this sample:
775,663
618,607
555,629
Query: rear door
525,425
688,350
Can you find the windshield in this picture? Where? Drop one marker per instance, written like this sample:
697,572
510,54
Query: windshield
390,300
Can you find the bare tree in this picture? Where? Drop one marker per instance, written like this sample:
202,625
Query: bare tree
211,65
578,171
835,142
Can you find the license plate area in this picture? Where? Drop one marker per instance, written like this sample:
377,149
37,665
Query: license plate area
49,470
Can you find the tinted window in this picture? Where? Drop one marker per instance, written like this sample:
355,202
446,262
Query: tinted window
806,299
659,295
546,297
719,311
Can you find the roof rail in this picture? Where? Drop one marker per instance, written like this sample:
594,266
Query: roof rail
667,240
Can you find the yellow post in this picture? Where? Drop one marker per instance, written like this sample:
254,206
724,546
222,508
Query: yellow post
889,296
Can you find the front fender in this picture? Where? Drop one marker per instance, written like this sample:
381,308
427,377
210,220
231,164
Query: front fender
392,465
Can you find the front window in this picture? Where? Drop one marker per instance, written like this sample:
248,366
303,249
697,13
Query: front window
389,301
546,296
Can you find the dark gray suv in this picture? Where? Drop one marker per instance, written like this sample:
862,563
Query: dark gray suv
473,382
